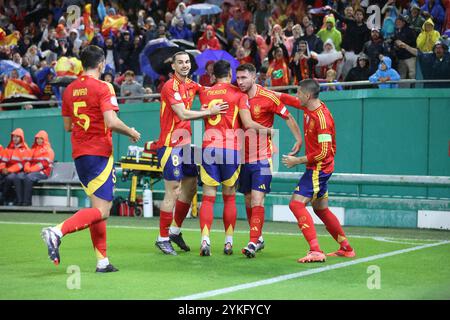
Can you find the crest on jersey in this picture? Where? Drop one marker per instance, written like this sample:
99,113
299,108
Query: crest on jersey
257,111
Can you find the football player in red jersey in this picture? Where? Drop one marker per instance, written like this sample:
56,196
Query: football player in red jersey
256,172
320,149
174,151
89,113
221,153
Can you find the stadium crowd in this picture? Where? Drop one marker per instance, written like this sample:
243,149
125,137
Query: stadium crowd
287,41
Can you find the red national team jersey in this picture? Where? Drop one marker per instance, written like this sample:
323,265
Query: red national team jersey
320,139
174,131
220,129
320,135
263,107
84,101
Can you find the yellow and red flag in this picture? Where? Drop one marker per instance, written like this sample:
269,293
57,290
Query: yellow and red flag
68,67
9,40
15,87
113,24
88,24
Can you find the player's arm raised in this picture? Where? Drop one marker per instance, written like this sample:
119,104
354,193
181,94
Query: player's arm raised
186,114
289,100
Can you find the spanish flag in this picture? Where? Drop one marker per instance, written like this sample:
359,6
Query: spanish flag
16,87
10,40
68,67
114,24
88,24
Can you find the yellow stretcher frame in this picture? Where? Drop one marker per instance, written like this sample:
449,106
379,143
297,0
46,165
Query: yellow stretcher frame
147,168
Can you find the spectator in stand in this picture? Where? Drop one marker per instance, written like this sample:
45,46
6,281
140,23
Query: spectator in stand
49,42
415,19
330,78
278,70
354,37
260,41
151,29
330,58
428,37
235,26
124,48
435,65
207,79
14,157
261,77
388,28
360,73
132,88
138,46
296,10
300,66
38,167
329,31
385,73
108,76
314,42
247,15
435,9
179,30
446,26
261,17
294,39
287,31
277,40
208,40
180,12
406,61
250,53
278,15
112,55
374,48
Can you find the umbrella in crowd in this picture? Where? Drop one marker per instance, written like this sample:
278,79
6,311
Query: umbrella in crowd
155,58
215,55
203,9
7,66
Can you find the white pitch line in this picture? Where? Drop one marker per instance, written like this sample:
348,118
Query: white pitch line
377,238
212,293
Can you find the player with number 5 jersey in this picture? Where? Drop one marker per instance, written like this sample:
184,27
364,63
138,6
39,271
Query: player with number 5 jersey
89,112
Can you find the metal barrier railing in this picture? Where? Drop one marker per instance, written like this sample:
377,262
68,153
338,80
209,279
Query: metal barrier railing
290,87
372,179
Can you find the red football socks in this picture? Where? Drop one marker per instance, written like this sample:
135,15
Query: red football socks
334,227
229,213
206,214
81,220
165,219
305,223
98,236
248,211
256,223
181,211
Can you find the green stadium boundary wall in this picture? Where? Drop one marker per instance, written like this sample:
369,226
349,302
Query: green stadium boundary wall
384,131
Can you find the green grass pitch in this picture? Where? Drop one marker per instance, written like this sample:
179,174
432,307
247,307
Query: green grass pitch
145,273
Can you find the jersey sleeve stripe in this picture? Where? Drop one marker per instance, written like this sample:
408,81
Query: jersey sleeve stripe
322,155
323,123
271,96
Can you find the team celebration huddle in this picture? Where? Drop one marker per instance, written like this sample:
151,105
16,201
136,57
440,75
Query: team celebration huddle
237,151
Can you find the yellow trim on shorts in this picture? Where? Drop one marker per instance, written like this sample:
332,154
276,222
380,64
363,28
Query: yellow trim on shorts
232,181
165,156
207,179
315,179
97,182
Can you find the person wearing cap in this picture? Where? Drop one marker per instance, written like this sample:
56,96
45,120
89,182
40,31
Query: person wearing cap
406,64
208,40
434,65
359,73
415,18
373,48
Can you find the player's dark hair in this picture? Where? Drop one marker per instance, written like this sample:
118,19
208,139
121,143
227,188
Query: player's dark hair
246,66
221,69
91,57
310,86
179,53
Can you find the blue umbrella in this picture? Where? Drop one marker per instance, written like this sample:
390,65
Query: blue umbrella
203,9
150,48
215,55
7,66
